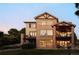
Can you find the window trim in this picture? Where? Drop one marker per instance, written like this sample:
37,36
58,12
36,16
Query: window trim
46,34
42,33
50,32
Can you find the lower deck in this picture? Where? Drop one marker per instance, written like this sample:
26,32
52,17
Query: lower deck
49,43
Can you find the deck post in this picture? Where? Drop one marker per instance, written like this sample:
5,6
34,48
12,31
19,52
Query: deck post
54,37
72,38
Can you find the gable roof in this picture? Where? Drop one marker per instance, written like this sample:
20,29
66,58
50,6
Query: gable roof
63,23
45,15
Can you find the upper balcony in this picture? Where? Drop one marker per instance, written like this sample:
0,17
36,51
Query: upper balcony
63,34
64,29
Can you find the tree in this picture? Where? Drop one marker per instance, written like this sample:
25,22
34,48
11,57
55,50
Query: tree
14,35
77,6
1,34
13,32
1,38
76,13
22,30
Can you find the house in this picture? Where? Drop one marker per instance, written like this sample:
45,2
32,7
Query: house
50,33
30,28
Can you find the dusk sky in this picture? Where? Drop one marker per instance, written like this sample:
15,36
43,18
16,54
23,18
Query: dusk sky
14,15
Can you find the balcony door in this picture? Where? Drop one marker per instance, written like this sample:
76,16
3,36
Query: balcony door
46,43
63,44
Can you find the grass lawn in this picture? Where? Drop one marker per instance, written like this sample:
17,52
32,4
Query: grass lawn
40,52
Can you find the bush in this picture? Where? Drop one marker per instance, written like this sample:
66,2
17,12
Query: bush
24,46
28,46
31,46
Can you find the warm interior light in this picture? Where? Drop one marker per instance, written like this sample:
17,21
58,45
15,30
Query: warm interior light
63,34
63,43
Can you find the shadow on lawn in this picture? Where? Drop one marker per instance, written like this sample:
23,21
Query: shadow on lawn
40,52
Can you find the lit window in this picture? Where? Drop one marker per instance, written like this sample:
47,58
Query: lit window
65,44
61,43
68,41
49,42
43,32
58,42
43,23
33,25
62,34
42,43
68,34
35,33
49,32
32,33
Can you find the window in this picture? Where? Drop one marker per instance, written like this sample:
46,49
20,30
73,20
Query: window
49,42
33,25
43,23
35,33
42,32
49,23
64,43
68,34
32,33
42,43
29,25
49,32
61,43
46,32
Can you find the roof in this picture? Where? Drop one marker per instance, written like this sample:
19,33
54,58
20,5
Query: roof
46,16
63,23
30,22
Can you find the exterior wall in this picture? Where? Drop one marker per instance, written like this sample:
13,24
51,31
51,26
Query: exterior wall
48,26
48,42
28,30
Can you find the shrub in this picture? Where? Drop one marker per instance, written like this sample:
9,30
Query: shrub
24,46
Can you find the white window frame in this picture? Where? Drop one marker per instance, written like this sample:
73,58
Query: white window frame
42,32
33,33
49,32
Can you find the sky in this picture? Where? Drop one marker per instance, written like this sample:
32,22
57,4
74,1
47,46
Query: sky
13,15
